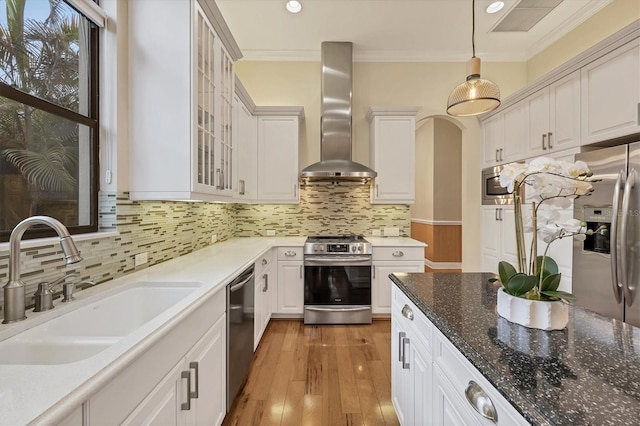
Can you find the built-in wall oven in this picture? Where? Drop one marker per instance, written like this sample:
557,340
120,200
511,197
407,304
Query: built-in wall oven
337,280
492,192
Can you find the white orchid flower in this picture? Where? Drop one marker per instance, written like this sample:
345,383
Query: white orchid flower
510,174
549,232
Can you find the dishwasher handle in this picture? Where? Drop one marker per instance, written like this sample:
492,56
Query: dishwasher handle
233,287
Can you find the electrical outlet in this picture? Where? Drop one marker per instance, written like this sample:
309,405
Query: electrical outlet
391,231
376,233
140,259
271,232
214,238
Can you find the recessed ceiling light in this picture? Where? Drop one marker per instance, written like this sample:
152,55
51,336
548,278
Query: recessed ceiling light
294,6
494,7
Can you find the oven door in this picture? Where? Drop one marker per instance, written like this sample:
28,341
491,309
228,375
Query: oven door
337,289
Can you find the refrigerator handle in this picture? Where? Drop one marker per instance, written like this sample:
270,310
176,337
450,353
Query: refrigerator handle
615,210
629,184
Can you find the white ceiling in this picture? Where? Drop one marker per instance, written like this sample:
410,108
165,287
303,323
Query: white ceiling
394,30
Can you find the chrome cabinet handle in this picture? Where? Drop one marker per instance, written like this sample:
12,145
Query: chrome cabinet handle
264,261
405,363
496,214
480,401
265,277
501,149
407,312
186,406
398,253
497,159
544,144
374,271
549,139
194,366
300,271
219,176
295,189
401,336
290,253
615,214
377,194
242,187
624,250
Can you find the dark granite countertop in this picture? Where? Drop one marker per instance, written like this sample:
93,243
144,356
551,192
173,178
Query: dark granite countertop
586,374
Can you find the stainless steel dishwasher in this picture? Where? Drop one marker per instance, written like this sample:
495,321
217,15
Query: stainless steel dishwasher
240,307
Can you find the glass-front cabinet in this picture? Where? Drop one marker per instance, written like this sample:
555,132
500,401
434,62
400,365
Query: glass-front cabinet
181,97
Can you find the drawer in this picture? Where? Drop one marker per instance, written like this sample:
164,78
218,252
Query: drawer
289,253
419,325
398,253
264,261
460,373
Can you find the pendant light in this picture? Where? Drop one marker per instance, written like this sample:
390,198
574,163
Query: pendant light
474,96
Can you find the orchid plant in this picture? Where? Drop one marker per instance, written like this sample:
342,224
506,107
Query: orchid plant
550,186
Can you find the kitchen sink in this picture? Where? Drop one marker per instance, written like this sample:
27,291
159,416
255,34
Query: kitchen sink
90,329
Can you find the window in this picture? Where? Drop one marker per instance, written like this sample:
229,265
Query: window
48,115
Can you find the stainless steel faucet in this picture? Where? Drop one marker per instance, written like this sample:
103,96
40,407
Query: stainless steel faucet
14,290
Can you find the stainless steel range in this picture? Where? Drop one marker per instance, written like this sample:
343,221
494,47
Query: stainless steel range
337,280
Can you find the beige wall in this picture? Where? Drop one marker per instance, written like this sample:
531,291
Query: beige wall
613,17
447,171
423,207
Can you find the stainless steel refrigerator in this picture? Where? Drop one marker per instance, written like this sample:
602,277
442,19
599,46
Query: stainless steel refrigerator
606,265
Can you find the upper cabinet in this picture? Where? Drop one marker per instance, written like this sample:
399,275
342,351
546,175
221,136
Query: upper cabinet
245,134
503,136
553,117
181,101
611,95
392,134
278,171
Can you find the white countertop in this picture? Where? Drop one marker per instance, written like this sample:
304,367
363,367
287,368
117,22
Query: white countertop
48,393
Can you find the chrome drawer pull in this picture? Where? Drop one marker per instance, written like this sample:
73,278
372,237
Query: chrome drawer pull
398,253
407,312
186,406
265,277
264,261
290,253
194,365
405,363
401,336
480,401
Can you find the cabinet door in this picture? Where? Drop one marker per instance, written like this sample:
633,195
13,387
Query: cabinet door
278,159
381,284
564,113
449,407
245,131
491,235
400,380
393,154
492,140
611,95
163,406
290,287
421,382
537,108
262,312
206,363
514,132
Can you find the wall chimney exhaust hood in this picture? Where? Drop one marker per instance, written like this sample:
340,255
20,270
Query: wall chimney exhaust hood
335,163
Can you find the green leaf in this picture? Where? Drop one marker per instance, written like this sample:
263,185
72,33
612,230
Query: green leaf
567,297
506,271
520,283
493,280
550,266
550,283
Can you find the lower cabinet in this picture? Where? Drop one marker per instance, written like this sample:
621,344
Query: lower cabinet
263,297
429,376
387,260
290,298
181,380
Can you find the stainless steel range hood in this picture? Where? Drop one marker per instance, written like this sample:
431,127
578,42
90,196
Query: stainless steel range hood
335,127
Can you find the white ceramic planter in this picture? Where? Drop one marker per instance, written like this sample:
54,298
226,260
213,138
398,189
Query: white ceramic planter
533,313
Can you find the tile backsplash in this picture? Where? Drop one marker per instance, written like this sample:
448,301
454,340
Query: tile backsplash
167,229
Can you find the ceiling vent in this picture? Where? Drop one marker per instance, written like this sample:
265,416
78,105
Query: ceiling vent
525,15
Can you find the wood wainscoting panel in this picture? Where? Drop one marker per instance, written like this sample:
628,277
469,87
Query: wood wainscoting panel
444,241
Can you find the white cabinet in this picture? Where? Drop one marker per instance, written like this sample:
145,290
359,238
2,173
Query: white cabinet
498,237
245,134
181,379
263,295
387,260
278,136
180,103
429,375
553,117
392,150
290,281
411,362
503,136
611,95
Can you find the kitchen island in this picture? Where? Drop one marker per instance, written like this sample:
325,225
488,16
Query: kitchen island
588,373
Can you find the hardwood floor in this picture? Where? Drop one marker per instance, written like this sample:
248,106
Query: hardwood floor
318,375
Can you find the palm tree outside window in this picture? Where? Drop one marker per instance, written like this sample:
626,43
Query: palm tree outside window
48,115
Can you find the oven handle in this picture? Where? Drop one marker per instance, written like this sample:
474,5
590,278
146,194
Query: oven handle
338,260
358,309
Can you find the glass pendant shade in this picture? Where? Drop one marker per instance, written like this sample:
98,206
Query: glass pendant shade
474,96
